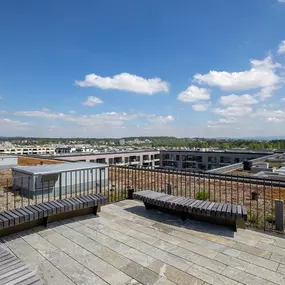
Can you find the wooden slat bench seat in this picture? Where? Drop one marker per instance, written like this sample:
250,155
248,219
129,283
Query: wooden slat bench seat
14,271
220,213
16,219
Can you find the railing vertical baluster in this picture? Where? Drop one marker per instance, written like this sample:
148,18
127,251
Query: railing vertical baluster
136,179
36,189
153,178
181,184
104,180
48,189
271,196
220,189
209,186
214,187
145,178
22,199
226,190
199,185
168,177
190,181
110,175
250,201
243,191
117,184
165,179
139,178
88,180
65,188
231,189
129,184
257,191
7,198
185,184
204,184
80,182
93,177
148,178
100,180
71,182
264,213
54,197
237,202
75,181
14,198
85,181
156,179
29,185
43,182
194,185
125,183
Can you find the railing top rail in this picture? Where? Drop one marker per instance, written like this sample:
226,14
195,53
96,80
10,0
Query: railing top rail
222,176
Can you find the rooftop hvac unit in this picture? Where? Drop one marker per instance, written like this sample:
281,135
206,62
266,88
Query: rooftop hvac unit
247,165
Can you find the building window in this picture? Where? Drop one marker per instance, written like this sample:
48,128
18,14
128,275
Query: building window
225,159
177,157
197,158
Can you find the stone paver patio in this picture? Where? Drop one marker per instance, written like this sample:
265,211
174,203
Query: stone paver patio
125,244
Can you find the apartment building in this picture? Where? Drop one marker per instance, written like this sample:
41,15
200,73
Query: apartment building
7,161
27,150
147,158
205,160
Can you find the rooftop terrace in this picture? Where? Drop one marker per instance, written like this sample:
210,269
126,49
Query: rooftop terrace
125,244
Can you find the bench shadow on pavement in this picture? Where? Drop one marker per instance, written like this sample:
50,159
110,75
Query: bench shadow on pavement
170,219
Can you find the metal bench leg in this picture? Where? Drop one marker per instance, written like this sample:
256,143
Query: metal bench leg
184,216
148,206
96,210
45,221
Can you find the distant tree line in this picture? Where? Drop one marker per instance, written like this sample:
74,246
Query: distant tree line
163,141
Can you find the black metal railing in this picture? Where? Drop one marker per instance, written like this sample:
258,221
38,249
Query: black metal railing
256,194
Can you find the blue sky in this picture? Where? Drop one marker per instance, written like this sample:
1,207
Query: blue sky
129,68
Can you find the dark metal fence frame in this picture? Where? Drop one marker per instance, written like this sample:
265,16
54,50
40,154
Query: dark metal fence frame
257,194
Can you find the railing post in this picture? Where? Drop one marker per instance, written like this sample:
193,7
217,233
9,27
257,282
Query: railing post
130,192
60,186
279,215
169,189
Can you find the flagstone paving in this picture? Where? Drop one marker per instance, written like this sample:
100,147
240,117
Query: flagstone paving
125,244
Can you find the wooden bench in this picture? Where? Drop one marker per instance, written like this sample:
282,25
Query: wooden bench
14,271
30,216
213,212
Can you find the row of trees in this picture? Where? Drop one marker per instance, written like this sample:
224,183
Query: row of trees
162,142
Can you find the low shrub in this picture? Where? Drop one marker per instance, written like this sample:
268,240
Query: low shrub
202,196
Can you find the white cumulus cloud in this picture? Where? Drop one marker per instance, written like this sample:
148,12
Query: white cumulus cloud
14,123
200,107
92,101
100,120
126,82
262,74
233,111
281,48
238,100
267,92
159,119
44,114
194,94
270,115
